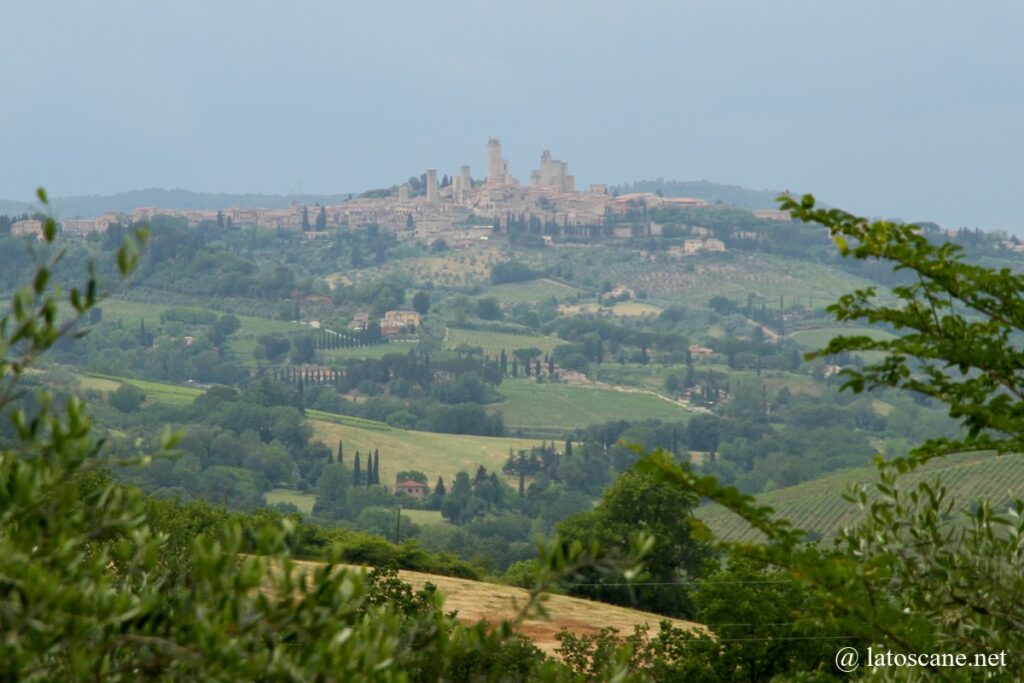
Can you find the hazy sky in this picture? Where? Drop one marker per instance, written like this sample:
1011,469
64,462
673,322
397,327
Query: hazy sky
909,109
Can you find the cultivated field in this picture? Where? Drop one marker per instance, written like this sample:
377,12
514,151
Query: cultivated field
449,269
531,292
735,275
553,409
622,309
131,312
424,517
156,392
303,501
432,453
494,342
818,506
374,351
478,601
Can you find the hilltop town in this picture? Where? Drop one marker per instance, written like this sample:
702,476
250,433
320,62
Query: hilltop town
455,206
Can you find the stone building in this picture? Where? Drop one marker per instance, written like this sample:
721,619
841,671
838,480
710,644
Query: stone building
28,227
432,195
553,175
497,168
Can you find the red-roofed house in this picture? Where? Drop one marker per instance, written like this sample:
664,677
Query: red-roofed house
411,488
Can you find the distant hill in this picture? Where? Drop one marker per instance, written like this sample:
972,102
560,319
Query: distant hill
818,506
735,195
89,206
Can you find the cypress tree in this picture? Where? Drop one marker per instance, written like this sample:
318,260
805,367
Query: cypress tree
376,466
522,483
439,489
357,477
568,448
341,451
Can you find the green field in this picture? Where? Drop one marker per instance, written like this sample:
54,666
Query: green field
241,342
156,392
348,420
303,501
818,506
494,342
133,311
734,275
621,309
374,351
531,292
424,517
553,409
432,453
400,449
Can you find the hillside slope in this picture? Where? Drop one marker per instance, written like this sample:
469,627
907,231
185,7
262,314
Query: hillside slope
433,453
476,600
818,506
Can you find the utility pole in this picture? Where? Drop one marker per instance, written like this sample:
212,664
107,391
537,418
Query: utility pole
398,524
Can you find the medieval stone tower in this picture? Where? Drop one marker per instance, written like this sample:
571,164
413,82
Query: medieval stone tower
432,194
497,168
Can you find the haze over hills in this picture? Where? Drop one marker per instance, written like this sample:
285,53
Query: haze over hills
89,206
743,197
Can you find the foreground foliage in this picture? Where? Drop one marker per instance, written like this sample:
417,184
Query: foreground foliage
912,577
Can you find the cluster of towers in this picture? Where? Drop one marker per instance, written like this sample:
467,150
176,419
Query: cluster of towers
553,176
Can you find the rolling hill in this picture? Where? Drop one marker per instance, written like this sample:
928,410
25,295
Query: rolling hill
475,601
551,410
819,507
432,453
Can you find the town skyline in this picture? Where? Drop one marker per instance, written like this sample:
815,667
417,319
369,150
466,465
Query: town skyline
883,110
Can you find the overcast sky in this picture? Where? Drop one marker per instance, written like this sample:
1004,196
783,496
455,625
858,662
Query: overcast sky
907,109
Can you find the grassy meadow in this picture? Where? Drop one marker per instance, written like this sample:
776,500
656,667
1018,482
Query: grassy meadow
532,292
494,342
553,409
432,453
156,392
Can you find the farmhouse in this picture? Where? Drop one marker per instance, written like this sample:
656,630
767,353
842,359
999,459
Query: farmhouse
413,489
399,322
696,350
360,321
693,246
28,227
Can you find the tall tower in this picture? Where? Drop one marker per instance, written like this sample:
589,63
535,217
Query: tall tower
432,197
495,164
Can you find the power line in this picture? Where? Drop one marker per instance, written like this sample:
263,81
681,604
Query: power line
681,583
